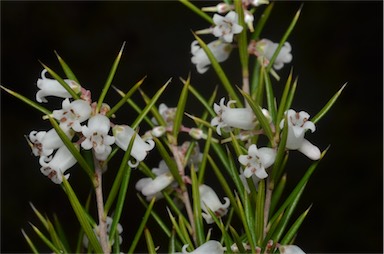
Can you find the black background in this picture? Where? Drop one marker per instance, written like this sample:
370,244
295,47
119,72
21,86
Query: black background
333,43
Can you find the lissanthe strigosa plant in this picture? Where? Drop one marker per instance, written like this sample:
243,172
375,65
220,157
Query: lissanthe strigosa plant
242,141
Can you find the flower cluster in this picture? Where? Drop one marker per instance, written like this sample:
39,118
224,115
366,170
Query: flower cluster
78,118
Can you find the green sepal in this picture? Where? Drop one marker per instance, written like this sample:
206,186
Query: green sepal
81,216
109,79
27,101
74,95
68,72
75,152
30,243
180,109
219,71
149,241
139,231
123,100
328,106
196,10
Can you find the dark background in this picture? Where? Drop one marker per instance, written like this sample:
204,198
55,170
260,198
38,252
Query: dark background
333,43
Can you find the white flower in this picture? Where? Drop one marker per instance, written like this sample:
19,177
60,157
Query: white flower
219,8
258,2
97,232
152,187
248,19
219,49
209,247
290,249
55,167
52,87
72,114
297,125
257,161
44,143
227,117
123,135
96,136
168,114
266,48
226,26
209,199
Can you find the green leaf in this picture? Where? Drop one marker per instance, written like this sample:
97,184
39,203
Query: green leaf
81,216
207,105
248,230
260,117
328,106
74,150
139,231
125,98
284,38
281,156
277,192
149,240
109,79
61,234
46,240
150,106
42,219
30,243
197,11
291,95
203,162
270,97
197,208
55,238
219,71
237,239
180,109
68,72
260,202
283,102
294,228
62,82
27,101
261,22
184,238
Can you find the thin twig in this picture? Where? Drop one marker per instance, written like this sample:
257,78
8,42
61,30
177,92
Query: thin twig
100,209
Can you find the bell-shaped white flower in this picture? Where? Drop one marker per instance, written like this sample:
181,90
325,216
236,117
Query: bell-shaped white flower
97,232
43,143
290,249
210,200
96,136
226,27
140,148
297,125
227,117
219,49
72,114
257,160
51,87
209,247
55,167
266,48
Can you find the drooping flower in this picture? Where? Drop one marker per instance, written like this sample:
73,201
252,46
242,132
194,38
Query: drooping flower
219,49
55,167
72,114
219,8
227,117
51,87
96,136
297,125
210,200
248,19
257,160
109,221
43,143
140,148
209,247
265,49
290,249
226,26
